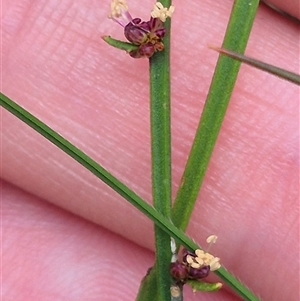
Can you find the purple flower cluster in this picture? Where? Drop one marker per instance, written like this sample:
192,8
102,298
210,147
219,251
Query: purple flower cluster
147,35
181,270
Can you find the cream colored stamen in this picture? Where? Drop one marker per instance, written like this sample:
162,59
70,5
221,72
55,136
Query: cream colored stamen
214,264
189,259
161,12
203,259
199,260
192,262
211,239
117,7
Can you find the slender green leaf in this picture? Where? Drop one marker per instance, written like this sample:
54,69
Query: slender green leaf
282,73
200,286
161,221
128,47
120,188
236,37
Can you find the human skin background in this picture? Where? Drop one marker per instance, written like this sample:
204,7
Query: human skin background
98,247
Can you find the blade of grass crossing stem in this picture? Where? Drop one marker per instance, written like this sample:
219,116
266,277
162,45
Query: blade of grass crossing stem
236,37
161,159
115,184
71,150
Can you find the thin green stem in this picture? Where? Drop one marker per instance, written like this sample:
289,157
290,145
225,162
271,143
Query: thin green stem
161,159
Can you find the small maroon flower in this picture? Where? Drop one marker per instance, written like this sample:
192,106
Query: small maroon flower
146,50
194,265
156,27
147,35
136,31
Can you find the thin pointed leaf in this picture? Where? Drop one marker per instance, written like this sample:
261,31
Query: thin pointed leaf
236,37
91,165
200,286
128,47
282,73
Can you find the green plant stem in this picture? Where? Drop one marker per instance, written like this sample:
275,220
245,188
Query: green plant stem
161,169
120,188
236,37
161,160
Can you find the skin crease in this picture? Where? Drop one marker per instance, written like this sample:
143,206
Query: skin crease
57,67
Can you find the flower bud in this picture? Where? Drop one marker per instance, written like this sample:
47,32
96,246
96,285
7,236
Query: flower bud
198,273
178,271
147,50
157,27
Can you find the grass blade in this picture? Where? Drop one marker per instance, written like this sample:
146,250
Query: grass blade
161,221
236,37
